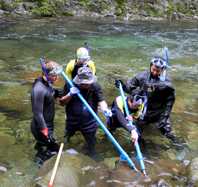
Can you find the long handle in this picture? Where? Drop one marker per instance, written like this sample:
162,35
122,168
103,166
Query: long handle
139,154
112,139
56,166
166,55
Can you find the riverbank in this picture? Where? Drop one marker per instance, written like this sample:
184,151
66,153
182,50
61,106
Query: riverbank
124,10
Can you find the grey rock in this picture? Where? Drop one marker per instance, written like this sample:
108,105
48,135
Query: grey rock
3,169
20,9
162,183
193,171
1,12
29,5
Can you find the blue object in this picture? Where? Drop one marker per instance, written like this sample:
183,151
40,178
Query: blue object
100,123
166,55
42,62
139,154
122,158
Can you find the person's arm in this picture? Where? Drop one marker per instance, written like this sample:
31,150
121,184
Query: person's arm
131,85
37,107
66,98
102,104
58,92
121,118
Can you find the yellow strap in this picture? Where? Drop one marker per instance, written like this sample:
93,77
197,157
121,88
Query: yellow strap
92,66
137,114
70,67
120,103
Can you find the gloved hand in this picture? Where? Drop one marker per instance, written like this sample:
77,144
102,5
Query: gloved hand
107,113
129,118
44,131
73,90
134,135
117,83
51,139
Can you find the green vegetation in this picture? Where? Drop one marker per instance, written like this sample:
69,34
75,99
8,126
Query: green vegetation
45,8
120,7
170,9
154,8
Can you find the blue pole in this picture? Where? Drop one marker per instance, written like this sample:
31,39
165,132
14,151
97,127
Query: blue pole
139,154
130,162
166,55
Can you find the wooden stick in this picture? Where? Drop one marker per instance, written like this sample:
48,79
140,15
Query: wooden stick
56,166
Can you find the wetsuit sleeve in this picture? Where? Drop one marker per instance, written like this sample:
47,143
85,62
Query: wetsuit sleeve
37,108
58,92
131,85
99,93
121,118
66,89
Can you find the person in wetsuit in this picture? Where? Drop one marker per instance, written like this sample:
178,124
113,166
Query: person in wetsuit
135,103
78,116
42,125
160,96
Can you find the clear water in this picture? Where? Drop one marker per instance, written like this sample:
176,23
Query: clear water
120,50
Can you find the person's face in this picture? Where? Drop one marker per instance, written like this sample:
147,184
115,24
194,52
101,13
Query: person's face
132,104
155,71
85,86
81,61
52,78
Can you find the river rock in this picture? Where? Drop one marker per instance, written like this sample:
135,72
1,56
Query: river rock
193,172
1,12
77,170
3,169
20,9
74,170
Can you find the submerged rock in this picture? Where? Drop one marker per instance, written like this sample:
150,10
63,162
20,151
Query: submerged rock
74,170
3,169
193,172
77,170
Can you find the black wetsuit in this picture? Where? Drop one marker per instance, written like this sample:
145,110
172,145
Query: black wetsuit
78,116
160,100
42,98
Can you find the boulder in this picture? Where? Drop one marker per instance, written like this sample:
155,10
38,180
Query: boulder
74,170
193,172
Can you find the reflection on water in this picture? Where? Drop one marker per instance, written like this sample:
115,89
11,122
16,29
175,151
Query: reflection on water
120,51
